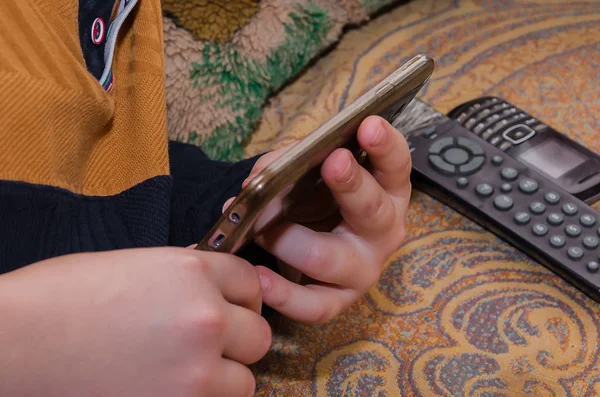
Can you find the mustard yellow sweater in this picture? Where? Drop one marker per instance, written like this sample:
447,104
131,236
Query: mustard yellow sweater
85,162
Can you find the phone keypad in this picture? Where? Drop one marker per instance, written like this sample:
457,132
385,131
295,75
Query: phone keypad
500,123
546,215
498,183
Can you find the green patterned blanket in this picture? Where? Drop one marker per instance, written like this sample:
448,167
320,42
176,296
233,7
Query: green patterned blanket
226,57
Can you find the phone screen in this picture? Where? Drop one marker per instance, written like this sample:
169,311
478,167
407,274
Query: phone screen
553,158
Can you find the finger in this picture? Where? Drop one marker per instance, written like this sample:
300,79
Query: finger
312,304
227,378
365,206
388,154
265,160
248,336
327,257
236,278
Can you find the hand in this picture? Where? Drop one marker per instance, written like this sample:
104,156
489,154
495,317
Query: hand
345,262
143,322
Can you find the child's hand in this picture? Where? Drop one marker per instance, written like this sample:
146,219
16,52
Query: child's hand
136,322
344,263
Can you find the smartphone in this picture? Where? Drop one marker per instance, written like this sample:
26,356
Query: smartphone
289,179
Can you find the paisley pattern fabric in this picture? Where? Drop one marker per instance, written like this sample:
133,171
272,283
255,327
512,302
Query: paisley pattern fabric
226,57
457,312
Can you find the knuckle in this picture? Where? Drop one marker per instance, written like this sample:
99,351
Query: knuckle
198,264
279,298
355,182
210,322
321,314
247,272
372,207
201,379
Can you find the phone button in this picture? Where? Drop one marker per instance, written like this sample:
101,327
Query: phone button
472,166
439,145
441,165
430,132
472,146
456,156
518,134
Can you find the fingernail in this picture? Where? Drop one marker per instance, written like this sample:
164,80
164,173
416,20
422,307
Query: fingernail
265,284
227,203
379,135
248,180
346,175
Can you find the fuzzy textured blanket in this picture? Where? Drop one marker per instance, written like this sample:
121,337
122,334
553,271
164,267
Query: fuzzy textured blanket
226,57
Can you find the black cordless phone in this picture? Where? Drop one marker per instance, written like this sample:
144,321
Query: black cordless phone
570,165
516,176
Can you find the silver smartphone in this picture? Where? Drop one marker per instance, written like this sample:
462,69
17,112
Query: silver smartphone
294,176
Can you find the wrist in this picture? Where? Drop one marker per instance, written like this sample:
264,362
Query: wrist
29,343
14,339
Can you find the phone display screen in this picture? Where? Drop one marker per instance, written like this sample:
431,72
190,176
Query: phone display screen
553,158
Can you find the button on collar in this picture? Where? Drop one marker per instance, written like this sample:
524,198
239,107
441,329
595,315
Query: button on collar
98,31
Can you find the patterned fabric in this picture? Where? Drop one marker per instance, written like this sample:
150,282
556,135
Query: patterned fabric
226,57
458,312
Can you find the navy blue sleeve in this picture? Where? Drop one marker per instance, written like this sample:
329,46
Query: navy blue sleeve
200,188
38,222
